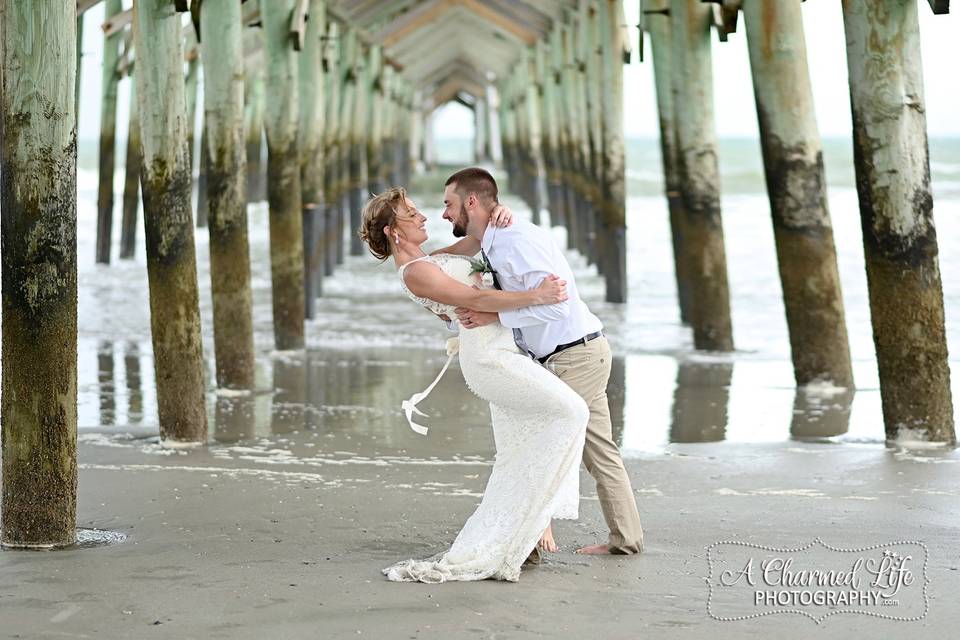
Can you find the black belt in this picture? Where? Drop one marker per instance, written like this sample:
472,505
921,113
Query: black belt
584,340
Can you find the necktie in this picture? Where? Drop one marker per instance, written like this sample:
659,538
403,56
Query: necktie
517,335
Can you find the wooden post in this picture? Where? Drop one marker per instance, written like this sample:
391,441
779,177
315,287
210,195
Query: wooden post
203,200
703,250
892,166
331,180
552,92
480,132
657,24
79,63
360,119
613,192
223,154
793,163
283,175
108,127
191,85
253,126
171,258
388,145
534,137
312,158
348,82
429,146
506,125
131,183
374,124
494,126
38,201
587,52
570,144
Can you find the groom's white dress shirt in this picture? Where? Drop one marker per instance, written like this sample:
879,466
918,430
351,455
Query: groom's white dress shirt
523,254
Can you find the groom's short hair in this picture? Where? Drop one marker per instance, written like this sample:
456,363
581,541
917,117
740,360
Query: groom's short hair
475,180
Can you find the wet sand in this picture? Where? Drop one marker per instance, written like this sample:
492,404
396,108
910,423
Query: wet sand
284,537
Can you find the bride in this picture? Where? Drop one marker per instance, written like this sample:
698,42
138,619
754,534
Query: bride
539,423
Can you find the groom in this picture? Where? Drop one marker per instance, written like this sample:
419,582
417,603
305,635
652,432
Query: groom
565,337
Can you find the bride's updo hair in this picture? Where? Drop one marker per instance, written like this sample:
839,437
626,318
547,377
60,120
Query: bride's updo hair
380,212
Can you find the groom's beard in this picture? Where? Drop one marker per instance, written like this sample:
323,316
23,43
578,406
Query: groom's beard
460,226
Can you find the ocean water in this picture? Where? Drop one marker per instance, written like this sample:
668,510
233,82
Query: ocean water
370,347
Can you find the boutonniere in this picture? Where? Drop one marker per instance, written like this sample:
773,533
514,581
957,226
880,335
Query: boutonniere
479,266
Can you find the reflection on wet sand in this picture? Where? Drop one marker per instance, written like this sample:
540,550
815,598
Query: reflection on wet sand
820,414
288,410
700,402
106,383
234,418
352,398
131,367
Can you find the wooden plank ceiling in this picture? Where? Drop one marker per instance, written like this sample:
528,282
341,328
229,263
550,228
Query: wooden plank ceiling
447,48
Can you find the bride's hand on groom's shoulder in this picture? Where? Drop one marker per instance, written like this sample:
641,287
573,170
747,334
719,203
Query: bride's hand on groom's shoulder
501,217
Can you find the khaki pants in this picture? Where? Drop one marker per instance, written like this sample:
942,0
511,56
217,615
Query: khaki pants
586,369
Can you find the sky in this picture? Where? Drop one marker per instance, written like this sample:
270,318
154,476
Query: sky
733,92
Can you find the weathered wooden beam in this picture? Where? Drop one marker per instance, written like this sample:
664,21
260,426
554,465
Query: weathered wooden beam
612,249
333,244
656,21
223,148
375,107
702,229
348,44
84,5
797,186
203,201
117,22
79,63
253,101
283,175
191,86
359,89
171,257
298,24
38,222
312,157
501,21
892,165
429,12
572,161
131,183
110,79
423,15
589,39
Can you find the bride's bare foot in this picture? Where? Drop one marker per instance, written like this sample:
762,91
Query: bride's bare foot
547,543
594,550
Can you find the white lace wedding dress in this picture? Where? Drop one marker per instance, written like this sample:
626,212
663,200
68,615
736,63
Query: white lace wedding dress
539,425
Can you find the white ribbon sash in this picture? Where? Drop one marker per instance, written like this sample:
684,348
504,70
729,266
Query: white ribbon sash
410,406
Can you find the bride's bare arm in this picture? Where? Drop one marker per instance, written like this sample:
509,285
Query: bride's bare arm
468,246
429,281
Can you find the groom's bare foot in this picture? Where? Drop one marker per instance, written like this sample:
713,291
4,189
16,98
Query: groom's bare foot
547,543
594,550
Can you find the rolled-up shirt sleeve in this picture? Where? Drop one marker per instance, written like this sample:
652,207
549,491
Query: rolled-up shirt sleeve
524,268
